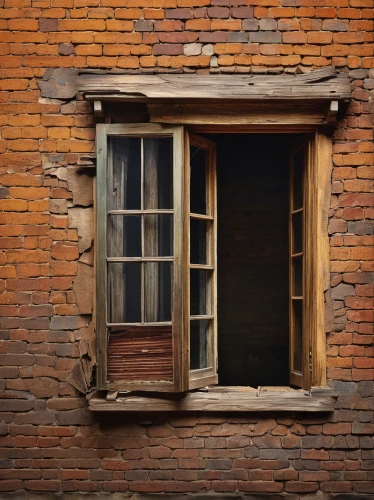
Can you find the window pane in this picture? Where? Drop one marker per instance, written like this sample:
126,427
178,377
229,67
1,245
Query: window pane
124,292
158,173
198,203
158,235
198,344
297,276
297,306
298,168
158,278
198,235
124,236
198,293
124,175
297,232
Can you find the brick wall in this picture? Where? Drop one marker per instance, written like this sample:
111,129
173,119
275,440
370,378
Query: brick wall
49,440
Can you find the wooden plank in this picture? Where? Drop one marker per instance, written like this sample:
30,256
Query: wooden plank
230,401
321,85
234,114
323,160
150,229
100,245
117,168
310,256
180,334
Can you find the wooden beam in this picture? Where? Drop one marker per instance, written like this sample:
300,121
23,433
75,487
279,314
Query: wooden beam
242,114
219,401
321,85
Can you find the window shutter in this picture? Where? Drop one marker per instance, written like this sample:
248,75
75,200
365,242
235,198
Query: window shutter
201,260
139,299
299,346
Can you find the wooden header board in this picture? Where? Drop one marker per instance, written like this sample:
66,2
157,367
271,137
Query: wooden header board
319,85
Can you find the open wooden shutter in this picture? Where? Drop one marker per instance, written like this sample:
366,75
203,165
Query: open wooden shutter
201,317
300,265
139,299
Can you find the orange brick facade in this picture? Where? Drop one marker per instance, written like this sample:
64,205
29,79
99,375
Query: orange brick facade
50,441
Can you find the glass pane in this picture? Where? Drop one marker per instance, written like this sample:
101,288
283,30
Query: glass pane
198,238
124,236
298,335
158,235
198,293
158,173
298,181
124,292
124,178
158,285
297,276
198,344
297,232
198,203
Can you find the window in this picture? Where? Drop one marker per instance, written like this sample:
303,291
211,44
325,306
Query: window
156,320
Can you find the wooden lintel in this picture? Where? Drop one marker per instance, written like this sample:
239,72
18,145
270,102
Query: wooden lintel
321,85
239,114
251,401
332,112
98,111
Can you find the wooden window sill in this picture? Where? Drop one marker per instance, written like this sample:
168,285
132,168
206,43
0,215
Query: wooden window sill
218,399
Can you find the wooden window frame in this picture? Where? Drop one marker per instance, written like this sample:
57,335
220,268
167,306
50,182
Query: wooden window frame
319,152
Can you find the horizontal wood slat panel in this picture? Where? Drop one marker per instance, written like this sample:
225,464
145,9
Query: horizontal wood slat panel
141,354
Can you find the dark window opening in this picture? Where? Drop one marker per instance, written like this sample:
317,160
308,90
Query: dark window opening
253,259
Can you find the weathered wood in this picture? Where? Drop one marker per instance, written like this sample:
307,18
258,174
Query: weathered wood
323,169
121,366
219,402
150,232
80,375
243,113
325,84
141,354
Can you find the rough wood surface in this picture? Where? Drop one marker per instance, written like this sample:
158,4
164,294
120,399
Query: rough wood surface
257,113
141,354
325,84
218,401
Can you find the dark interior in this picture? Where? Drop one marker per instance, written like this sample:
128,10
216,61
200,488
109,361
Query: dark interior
253,192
